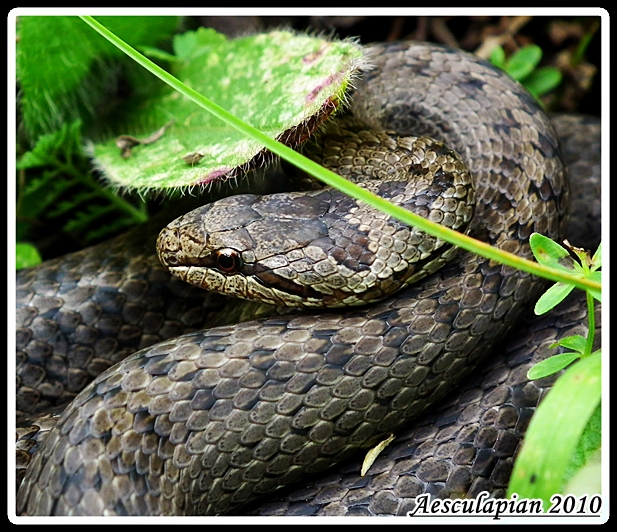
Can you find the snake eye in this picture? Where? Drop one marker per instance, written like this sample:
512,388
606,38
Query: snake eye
228,260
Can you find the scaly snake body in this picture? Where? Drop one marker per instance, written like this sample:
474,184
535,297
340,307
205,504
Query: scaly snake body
213,419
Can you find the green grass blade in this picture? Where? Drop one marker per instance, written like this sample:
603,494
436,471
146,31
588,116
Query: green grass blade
330,178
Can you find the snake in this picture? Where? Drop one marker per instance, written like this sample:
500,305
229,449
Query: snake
211,420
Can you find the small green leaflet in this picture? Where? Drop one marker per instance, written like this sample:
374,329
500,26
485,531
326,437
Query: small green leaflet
523,61
551,365
552,297
26,255
551,254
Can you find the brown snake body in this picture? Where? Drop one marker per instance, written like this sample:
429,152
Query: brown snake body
209,421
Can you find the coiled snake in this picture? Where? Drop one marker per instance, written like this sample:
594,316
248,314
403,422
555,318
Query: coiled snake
207,422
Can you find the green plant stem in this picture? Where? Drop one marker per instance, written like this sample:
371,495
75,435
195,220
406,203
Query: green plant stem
591,317
579,53
332,179
21,184
585,266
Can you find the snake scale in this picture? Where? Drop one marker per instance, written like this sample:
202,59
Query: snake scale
207,422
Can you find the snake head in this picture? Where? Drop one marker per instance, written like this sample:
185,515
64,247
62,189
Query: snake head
321,248
316,248
240,246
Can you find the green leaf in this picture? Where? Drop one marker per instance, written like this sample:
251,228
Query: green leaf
596,260
587,480
72,203
40,194
60,62
551,365
274,81
26,255
576,342
552,297
498,57
522,62
189,45
554,431
588,445
57,180
51,147
542,80
550,253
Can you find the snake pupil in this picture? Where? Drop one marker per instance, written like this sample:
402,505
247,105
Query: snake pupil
228,260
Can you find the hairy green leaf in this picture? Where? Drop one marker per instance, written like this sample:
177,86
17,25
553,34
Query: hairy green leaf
61,64
276,82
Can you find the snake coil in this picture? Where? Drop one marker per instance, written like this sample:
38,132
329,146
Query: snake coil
209,421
